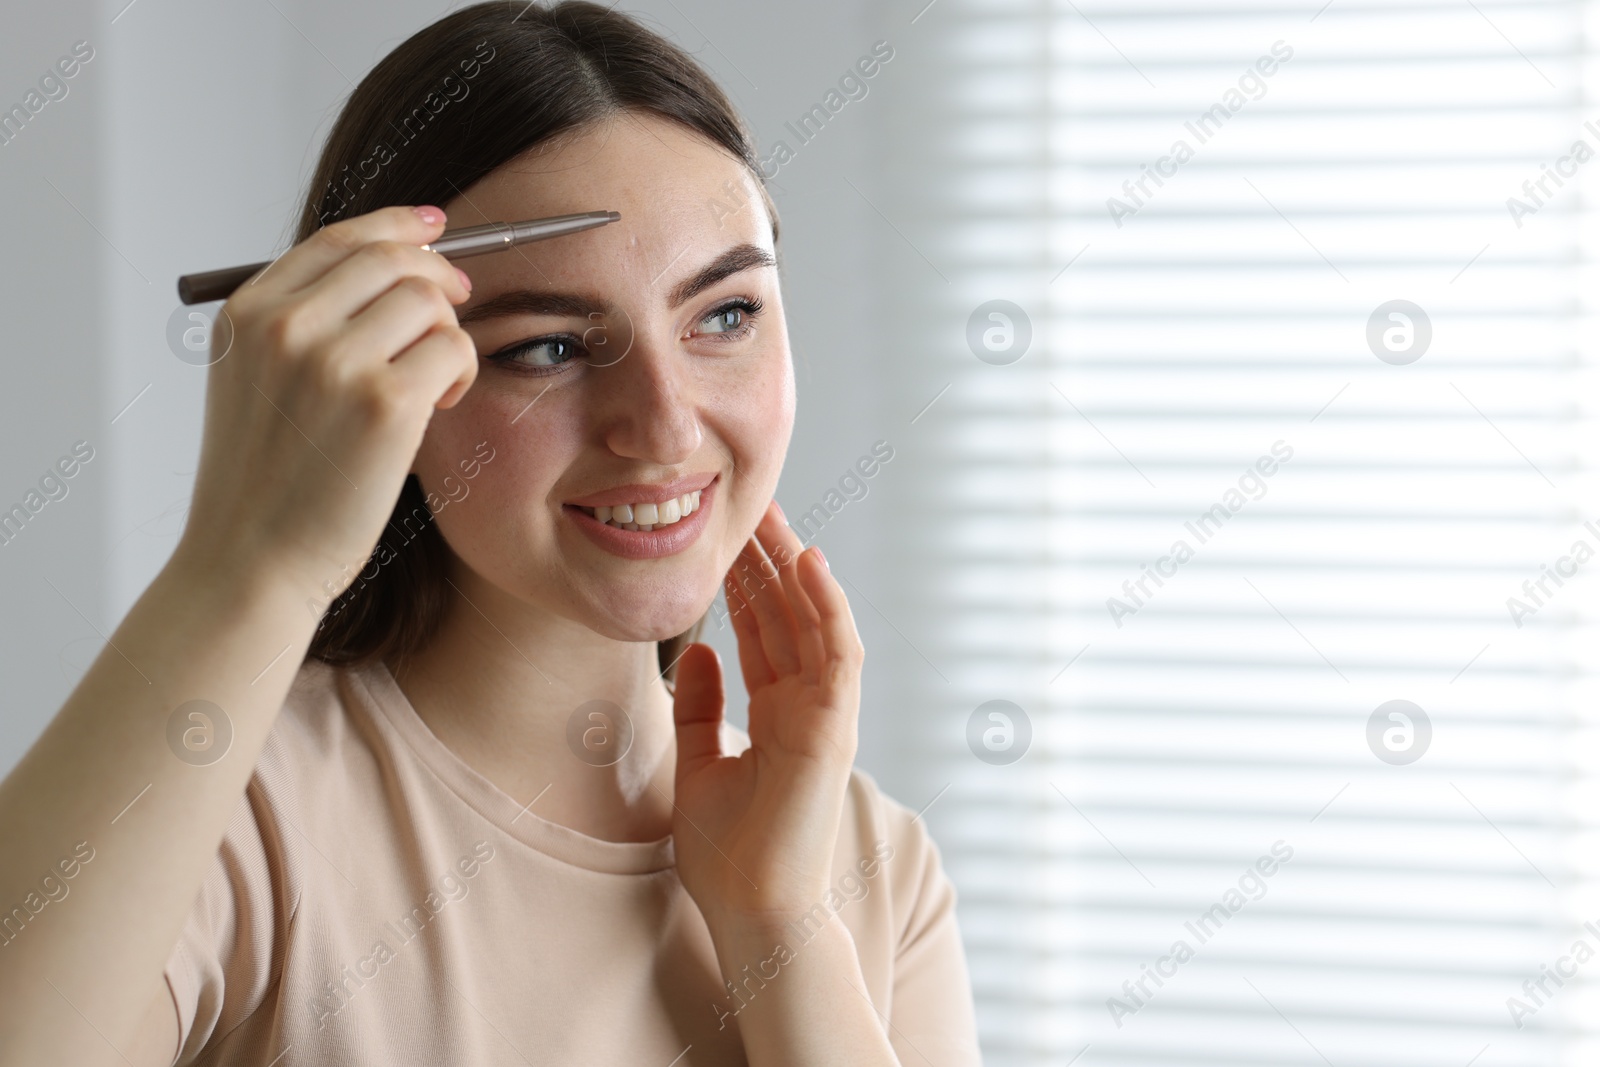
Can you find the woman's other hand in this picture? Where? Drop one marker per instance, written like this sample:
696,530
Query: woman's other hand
755,834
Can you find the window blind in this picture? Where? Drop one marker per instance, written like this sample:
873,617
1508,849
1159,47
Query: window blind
1217,359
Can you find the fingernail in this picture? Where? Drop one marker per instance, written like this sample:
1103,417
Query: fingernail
429,214
820,556
781,515
466,281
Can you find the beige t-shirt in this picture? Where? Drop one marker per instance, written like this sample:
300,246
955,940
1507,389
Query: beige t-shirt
377,901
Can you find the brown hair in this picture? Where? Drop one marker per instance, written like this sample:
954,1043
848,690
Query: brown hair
450,104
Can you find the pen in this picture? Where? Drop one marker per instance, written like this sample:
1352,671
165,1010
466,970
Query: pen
452,244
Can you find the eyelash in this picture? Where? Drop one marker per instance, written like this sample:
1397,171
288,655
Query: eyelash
749,305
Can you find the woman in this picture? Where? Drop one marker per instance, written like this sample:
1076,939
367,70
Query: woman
496,815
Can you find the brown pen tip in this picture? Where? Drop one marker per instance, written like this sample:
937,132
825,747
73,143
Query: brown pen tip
616,216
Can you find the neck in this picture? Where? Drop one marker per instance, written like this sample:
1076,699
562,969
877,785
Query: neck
499,685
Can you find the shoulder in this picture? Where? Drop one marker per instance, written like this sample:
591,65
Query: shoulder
231,949
910,945
330,735
320,748
881,822
316,708
312,732
879,826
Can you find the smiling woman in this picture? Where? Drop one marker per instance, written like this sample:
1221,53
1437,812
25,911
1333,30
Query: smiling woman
516,672
526,110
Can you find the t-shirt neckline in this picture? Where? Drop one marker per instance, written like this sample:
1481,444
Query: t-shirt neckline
376,686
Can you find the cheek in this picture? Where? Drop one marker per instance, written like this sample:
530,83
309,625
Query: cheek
753,418
781,402
527,447
781,396
756,411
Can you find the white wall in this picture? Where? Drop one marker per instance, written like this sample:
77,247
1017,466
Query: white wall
56,279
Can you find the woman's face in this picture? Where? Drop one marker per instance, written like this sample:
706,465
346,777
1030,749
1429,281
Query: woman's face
612,364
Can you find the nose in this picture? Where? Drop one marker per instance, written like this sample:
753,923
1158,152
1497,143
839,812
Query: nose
647,403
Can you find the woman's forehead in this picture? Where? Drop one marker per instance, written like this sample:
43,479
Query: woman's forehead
683,202
644,166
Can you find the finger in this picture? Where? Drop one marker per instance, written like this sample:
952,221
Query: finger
367,274
841,642
752,657
405,314
439,368
697,707
783,548
317,254
761,586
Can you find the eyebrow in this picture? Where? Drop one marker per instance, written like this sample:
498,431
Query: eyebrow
535,302
736,259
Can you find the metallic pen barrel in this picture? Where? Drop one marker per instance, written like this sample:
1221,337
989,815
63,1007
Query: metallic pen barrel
493,236
452,244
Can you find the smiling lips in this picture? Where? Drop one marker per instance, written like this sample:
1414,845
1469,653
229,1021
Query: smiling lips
645,521
647,516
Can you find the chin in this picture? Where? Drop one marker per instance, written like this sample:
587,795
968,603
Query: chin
654,621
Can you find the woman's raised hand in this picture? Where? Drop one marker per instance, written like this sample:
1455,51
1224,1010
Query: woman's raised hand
754,834
326,369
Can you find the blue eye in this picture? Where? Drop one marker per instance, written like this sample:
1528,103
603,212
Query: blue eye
726,319
735,318
546,353
732,320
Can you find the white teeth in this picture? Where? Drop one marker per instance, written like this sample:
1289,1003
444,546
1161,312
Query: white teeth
644,517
